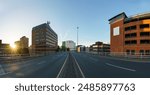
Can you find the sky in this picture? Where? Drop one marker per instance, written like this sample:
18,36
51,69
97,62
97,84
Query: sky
18,17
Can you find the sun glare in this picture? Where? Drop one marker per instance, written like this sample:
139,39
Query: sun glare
13,46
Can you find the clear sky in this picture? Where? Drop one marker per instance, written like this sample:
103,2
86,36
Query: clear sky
17,17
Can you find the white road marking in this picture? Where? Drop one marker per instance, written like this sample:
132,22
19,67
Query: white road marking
62,66
42,62
79,67
120,67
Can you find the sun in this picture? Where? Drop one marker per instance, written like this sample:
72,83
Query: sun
13,46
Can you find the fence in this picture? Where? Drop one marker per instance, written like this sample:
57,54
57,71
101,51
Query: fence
122,54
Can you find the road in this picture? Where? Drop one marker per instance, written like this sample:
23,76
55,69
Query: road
74,65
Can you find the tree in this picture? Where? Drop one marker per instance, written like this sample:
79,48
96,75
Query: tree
63,48
58,49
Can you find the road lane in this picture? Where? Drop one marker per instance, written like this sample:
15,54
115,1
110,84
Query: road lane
95,66
30,67
132,70
74,66
70,68
62,68
50,69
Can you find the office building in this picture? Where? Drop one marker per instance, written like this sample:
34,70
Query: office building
44,39
24,42
130,34
17,44
4,48
100,47
0,43
69,44
22,46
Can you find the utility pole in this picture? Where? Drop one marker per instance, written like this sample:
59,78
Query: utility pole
77,35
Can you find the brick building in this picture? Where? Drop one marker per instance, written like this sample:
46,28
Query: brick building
100,47
130,34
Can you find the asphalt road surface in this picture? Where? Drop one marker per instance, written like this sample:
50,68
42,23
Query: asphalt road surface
73,65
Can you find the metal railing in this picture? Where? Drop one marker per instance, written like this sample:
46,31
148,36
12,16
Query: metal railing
123,54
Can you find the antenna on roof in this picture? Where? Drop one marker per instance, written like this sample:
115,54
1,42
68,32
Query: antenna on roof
48,22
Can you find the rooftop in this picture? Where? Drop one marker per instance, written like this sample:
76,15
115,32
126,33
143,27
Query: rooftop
123,13
140,15
44,25
137,17
117,17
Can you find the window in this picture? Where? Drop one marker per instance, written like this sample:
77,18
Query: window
147,52
130,28
133,34
133,42
127,28
128,52
142,52
133,27
116,31
144,33
130,35
127,35
127,42
144,26
130,42
144,41
132,52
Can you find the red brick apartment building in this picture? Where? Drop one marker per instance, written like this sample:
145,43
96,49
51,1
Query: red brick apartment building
130,34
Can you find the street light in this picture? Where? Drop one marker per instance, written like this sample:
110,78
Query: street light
77,35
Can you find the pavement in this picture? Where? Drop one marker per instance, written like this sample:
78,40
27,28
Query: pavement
73,65
70,68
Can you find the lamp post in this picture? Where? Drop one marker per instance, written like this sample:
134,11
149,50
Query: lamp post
77,35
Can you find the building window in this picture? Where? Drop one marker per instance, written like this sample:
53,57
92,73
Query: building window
127,35
128,52
130,35
144,41
144,34
116,31
141,52
131,42
144,26
127,42
133,27
130,28
147,52
127,28
132,52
